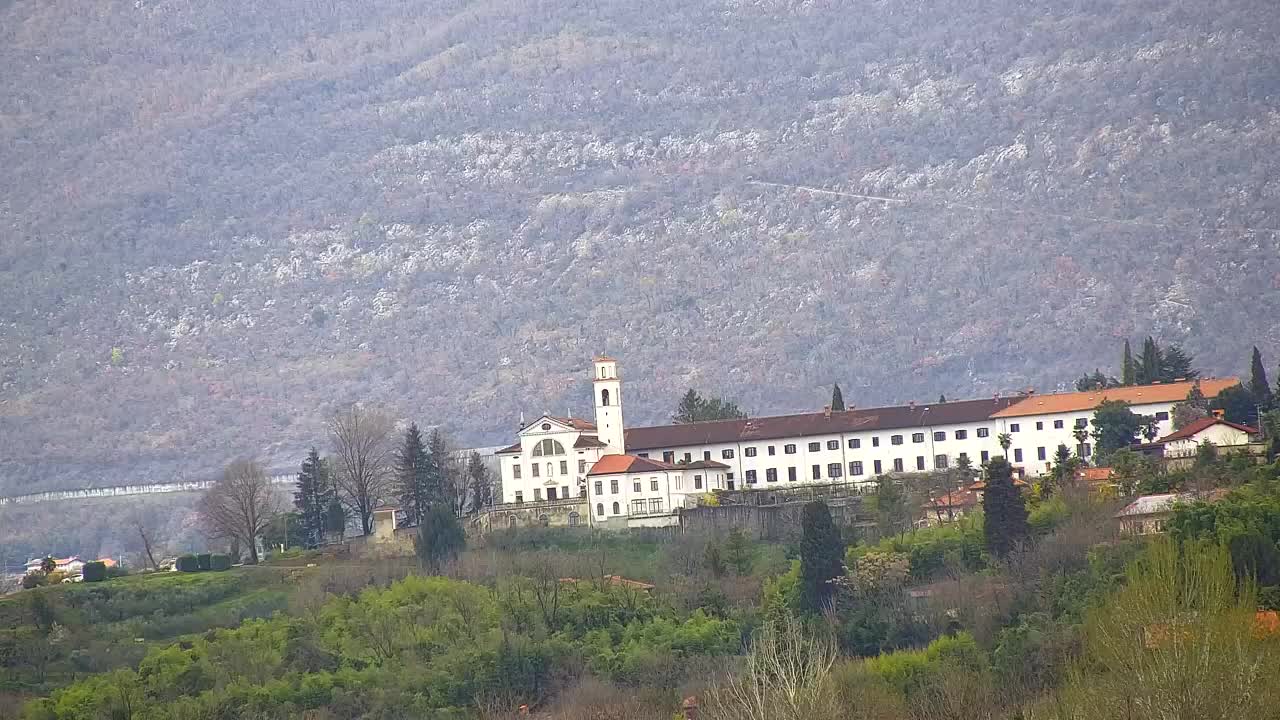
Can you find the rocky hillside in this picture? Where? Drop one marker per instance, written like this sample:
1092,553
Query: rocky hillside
219,221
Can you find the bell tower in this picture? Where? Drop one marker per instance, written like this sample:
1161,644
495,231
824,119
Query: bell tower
608,391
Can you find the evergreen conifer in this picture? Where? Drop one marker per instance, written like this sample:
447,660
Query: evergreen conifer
1005,513
412,476
821,556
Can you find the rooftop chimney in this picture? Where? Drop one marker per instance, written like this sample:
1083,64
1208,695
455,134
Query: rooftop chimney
826,411
911,404
1219,414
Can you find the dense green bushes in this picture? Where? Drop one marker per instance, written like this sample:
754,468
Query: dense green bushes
187,563
95,571
220,562
203,562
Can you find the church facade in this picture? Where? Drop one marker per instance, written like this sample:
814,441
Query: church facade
636,477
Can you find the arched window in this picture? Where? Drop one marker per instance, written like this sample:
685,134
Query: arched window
600,509
616,510
548,447
573,519
604,397
551,467
544,521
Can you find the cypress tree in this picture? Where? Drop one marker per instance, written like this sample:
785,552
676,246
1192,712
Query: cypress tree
1005,522
837,399
480,481
1126,365
440,538
1258,385
312,499
335,518
821,556
412,476
1148,370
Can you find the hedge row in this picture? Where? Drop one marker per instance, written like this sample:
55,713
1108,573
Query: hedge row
203,562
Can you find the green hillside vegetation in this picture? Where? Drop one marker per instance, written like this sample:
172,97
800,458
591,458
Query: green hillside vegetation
924,624
222,221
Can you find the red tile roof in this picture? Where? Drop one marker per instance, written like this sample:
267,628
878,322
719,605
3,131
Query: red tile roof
1133,394
954,499
982,484
618,464
575,423
509,450
702,465
588,441
1201,424
816,423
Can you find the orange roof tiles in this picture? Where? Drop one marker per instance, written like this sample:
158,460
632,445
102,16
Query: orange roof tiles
618,464
1134,395
1202,424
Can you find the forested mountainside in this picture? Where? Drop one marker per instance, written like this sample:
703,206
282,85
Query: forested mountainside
223,220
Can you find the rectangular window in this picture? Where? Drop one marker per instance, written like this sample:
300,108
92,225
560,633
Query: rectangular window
833,444
875,441
816,471
964,456
582,467
599,487
536,470
791,474
1162,416
983,432
655,505
537,494
1057,424
855,467
1039,425
697,482
940,462
750,477
519,497
564,467
643,454
835,470
688,457
855,443
706,454
1082,422
669,456
1017,454
637,507
985,456
728,476
895,440
515,471
1084,450
613,486
653,484
897,464
789,448
815,447
635,486
771,475
771,452
919,462
917,437
726,454
1040,453
749,452
877,467
962,434
679,482
939,436
1014,427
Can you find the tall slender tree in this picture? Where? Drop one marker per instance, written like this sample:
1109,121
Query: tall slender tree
413,476
239,506
1149,364
480,481
821,556
1004,511
837,399
312,498
440,538
362,447
1258,385
448,481
1126,365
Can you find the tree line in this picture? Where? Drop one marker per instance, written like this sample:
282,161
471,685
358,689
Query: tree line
371,464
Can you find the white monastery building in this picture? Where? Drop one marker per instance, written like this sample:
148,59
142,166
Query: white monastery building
641,476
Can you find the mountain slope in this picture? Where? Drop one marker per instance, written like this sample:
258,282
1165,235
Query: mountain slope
273,208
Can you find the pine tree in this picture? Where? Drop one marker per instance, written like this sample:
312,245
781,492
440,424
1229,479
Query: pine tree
412,476
942,398
1126,365
693,407
1258,385
1176,365
837,399
1148,370
1005,513
737,552
444,476
480,481
440,538
821,556
892,514
315,491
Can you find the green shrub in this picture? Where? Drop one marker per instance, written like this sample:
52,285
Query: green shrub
32,580
188,563
220,562
205,560
95,571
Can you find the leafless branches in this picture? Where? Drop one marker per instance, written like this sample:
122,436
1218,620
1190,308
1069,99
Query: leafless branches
239,506
361,441
785,677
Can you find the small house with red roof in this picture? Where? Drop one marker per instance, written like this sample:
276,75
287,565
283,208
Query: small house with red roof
1183,444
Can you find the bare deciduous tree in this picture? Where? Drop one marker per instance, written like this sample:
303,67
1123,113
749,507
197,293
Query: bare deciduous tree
239,506
146,537
362,459
785,677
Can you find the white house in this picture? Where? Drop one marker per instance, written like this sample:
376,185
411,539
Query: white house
600,463
1185,442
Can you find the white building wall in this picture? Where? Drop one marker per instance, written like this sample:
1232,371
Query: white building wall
527,487
1220,435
